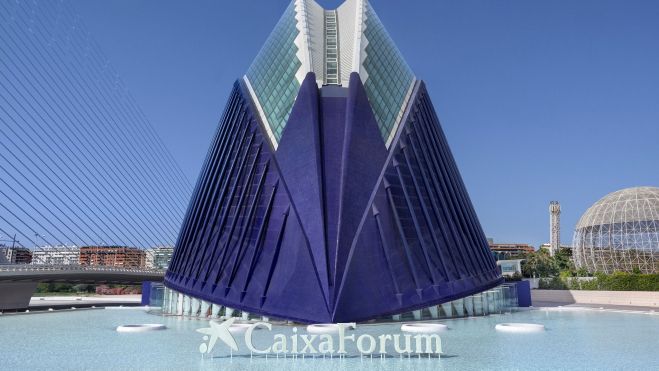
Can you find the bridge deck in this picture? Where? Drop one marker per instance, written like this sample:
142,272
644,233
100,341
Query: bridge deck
77,274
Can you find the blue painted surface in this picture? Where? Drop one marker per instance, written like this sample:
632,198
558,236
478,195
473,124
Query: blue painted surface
146,293
523,293
243,243
333,226
299,159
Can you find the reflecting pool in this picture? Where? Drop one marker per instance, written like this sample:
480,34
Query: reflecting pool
86,339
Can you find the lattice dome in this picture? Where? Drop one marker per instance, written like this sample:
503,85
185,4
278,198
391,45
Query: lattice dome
620,232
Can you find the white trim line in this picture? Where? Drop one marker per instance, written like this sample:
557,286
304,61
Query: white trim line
399,117
302,40
264,120
359,31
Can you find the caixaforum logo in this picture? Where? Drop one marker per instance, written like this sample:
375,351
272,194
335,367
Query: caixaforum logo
335,341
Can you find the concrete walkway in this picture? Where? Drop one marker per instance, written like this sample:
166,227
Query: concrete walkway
630,300
549,304
63,302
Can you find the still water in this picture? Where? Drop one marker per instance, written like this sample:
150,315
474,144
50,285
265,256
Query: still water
87,340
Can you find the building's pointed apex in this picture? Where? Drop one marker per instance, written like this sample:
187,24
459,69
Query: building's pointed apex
332,44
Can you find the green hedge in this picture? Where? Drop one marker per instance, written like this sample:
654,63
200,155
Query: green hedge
555,283
618,281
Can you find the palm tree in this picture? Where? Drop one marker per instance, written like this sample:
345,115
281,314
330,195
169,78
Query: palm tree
539,264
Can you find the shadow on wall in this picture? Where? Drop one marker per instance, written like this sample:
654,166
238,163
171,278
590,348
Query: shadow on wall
552,297
16,295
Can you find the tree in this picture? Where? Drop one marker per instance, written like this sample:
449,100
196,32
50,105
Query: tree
539,264
564,261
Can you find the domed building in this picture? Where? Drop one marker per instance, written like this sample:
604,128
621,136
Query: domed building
620,232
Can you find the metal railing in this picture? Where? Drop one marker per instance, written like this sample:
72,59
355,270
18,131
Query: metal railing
74,267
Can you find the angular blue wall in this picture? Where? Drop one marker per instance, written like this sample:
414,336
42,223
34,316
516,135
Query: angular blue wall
331,226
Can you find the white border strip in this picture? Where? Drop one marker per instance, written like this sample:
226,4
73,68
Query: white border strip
399,117
263,120
600,309
302,40
360,41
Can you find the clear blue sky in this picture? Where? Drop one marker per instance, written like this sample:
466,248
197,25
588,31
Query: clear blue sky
540,100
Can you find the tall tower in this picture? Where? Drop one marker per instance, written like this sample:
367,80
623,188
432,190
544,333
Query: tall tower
554,227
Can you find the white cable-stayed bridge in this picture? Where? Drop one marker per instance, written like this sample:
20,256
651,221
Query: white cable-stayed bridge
88,190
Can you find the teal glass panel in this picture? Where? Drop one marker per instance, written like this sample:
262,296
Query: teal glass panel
272,74
389,76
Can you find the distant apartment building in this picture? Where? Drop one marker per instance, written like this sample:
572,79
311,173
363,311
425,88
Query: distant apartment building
56,255
159,257
504,251
3,254
510,267
113,256
3,257
16,255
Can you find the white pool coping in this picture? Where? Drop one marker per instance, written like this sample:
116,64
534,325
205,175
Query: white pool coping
591,309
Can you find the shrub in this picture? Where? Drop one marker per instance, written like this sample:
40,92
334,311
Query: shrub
582,272
515,277
82,287
617,281
554,283
566,274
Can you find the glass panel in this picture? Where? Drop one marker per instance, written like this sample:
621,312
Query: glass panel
389,77
272,74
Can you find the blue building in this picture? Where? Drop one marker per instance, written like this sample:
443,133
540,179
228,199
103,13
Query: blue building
329,193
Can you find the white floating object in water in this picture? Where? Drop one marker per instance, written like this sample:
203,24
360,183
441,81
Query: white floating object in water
423,328
125,308
141,328
323,328
328,328
520,327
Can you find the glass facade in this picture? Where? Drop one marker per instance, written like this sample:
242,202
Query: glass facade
389,77
500,299
272,74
